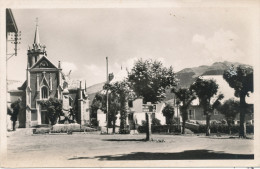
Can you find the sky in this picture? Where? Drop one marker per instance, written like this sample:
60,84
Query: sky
180,37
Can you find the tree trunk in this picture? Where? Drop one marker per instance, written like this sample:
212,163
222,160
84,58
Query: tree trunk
184,119
123,114
229,128
183,126
114,124
242,130
207,125
148,127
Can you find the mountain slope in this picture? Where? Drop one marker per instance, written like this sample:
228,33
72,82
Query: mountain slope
188,75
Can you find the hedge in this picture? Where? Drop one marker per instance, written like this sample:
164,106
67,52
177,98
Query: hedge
224,129
159,129
63,130
201,129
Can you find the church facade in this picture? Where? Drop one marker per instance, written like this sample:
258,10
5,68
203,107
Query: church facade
44,80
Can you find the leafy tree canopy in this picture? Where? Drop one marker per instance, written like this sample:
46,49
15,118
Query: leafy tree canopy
184,96
149,79
240,78
205,90
121,91
54,108
229,109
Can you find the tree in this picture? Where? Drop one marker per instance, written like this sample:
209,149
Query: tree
229,109
95,105
114,107
156,122
185,97
54,109
168,112
99,102
14,114
240,78
121,91
149,79
205,90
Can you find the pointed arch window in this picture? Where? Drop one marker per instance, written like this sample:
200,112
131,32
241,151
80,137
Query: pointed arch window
44,92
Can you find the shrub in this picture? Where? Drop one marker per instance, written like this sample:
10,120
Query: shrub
54,109
124,131
223,129
156,122
94,122
159,129
143,123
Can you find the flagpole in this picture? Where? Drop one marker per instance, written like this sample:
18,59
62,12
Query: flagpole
107,91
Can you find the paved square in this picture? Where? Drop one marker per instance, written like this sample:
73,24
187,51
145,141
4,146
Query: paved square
95,150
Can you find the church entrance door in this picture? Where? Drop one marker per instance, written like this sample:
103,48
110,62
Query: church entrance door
44,117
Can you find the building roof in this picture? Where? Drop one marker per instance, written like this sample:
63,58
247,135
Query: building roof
10,21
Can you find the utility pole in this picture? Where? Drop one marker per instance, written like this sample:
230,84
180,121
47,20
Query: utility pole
107,91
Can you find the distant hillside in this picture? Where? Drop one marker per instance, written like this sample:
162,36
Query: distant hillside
188,75
95,88
92,90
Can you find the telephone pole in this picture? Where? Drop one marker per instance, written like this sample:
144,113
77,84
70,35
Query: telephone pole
107,91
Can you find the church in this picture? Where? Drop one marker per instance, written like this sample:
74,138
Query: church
45,80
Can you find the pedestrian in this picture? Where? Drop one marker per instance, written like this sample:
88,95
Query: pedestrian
16,108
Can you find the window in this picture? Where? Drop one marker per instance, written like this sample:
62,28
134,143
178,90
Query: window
44,92
190,114
130,103
130,116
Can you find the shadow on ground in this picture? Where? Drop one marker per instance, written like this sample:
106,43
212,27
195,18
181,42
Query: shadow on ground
123,140
185,155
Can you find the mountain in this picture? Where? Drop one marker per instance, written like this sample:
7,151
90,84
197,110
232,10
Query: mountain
92,90
186,77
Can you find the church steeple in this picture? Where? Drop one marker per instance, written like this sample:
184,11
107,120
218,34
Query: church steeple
37,50
36,36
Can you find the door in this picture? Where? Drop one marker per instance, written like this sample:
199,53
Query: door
44,117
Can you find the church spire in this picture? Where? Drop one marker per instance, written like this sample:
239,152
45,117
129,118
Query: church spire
37,50
36,36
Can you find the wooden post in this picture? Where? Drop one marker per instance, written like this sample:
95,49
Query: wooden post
148,125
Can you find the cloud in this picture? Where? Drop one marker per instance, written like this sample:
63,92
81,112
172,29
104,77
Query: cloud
222,45
161,59
94,69
93,74
68,66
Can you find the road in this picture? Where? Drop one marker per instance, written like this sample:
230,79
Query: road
96,150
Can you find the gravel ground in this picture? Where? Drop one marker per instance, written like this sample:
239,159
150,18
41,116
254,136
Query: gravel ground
95,150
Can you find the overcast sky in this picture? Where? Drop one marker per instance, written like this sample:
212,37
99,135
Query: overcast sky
181,37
